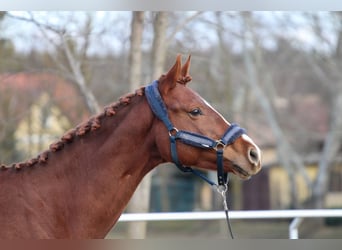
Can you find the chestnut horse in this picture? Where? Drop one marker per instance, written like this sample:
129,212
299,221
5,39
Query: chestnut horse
79,187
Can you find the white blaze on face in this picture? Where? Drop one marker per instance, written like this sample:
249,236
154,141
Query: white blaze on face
211,107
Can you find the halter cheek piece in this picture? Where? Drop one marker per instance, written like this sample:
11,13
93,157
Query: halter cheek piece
232,133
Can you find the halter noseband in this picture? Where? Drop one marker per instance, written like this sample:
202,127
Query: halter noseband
232,133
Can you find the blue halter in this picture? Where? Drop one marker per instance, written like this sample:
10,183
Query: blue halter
232,133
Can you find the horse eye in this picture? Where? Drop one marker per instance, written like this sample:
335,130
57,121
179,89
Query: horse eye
195,112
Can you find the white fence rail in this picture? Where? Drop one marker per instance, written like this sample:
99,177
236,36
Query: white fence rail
297,215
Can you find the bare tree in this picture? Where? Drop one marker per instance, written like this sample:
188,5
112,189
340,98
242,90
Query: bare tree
70,69
137,27
288,157
326,66
328,72
141,198
160,44
158,54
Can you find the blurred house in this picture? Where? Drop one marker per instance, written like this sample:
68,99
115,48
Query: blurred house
40,107
306,128
42,124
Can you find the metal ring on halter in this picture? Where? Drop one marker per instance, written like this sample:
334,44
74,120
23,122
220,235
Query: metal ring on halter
219,145
173,131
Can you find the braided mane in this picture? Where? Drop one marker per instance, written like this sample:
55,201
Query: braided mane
91,125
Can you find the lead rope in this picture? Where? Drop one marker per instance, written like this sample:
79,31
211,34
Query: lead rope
222,190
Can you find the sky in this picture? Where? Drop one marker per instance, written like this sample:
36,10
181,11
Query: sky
116,27
289,5
27,36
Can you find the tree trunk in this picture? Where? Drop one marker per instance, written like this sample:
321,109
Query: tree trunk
159,44
140,201
137,27
158,60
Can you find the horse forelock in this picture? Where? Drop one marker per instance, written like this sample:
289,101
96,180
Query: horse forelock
82,129
182,80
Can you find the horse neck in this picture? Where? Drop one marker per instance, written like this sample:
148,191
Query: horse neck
98,173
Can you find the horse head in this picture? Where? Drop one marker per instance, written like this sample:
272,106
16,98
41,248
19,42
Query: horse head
188,111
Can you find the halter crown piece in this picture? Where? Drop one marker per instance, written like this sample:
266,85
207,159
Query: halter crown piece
232,133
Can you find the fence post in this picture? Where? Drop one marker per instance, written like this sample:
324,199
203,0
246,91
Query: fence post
293,228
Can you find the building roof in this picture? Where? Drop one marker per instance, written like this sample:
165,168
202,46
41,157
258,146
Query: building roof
23,89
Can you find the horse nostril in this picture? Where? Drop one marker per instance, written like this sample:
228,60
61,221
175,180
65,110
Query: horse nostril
253,156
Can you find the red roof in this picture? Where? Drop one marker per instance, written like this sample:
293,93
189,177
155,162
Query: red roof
25,88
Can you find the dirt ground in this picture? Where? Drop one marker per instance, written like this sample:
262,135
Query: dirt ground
242,229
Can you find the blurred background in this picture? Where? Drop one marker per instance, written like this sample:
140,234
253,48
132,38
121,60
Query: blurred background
278,74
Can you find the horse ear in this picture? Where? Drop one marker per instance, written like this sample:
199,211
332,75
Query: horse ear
172,76
186,67
185,76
